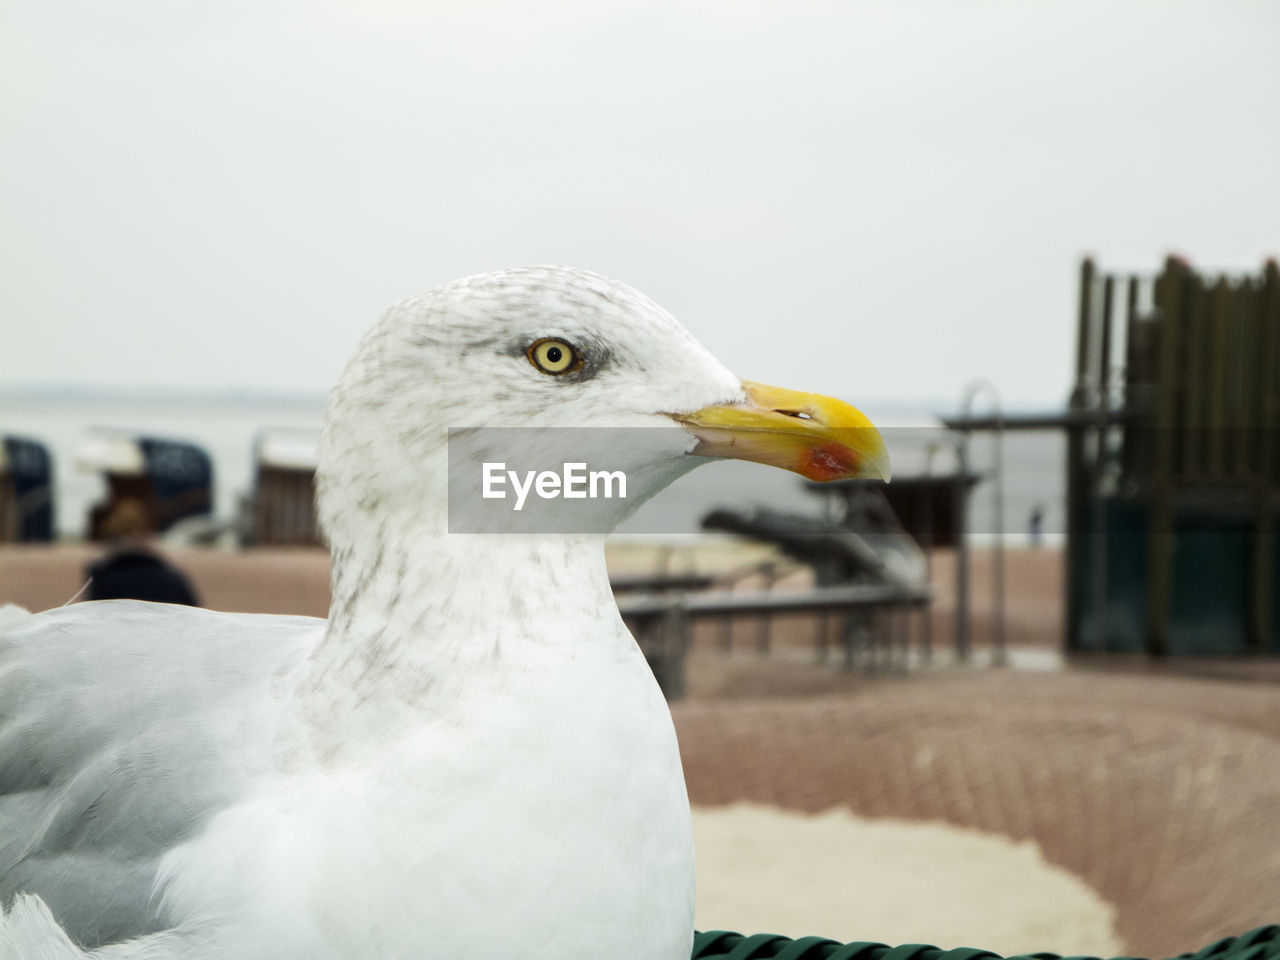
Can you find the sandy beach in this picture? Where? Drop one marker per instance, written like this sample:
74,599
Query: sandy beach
890,880
1095,807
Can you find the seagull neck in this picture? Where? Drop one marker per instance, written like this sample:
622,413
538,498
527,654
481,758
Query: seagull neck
402,576
413,615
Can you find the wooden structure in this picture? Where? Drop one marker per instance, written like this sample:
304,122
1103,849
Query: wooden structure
1172,467
868,572
661,623
933,510
930,507
152,483
26,491
282,510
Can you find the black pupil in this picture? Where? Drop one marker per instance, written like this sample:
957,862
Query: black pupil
554,354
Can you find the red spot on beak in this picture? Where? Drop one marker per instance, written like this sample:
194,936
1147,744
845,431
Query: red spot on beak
828,461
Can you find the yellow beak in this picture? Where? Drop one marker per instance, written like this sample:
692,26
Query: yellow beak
815,436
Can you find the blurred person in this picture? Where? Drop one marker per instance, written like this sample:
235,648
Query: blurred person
1037,525
131,569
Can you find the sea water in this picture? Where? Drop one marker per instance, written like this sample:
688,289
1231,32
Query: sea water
226,426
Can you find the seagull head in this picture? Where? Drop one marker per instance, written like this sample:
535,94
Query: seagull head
511,365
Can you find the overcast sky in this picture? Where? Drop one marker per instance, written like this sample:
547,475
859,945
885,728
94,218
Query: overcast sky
880,200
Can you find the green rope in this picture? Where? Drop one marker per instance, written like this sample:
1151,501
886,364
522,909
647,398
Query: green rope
1260,944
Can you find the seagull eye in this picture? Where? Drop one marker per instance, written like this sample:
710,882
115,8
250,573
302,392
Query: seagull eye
554,356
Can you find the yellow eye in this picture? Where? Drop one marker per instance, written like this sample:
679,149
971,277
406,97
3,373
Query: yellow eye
554,356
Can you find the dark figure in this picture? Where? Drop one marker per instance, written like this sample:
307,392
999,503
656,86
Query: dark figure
133,571
1037,525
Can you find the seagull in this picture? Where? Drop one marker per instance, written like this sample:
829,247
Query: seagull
470,757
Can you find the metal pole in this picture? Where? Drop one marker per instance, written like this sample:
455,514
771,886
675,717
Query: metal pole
962,552
959,492
999,656
926,527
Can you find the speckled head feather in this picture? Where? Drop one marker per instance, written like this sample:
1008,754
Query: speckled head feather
456,357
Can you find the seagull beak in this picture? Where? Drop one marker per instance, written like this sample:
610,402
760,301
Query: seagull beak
815,436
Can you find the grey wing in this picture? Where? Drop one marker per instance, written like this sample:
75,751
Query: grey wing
125,726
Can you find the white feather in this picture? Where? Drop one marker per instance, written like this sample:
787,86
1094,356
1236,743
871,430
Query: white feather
469,759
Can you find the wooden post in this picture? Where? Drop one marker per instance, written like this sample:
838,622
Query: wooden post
1104,345
1237,446
1076,479
1216,413
1191,431
1097,495
673,631
1170,299
1136,434
1264,479
764,625
850,639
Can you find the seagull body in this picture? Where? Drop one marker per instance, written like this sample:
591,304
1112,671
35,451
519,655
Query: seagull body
470,757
